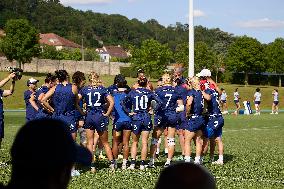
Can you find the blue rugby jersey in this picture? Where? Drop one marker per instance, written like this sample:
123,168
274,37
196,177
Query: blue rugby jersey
169,96
140,99
213,105
42,89
95,97
30,111
63,99
197,103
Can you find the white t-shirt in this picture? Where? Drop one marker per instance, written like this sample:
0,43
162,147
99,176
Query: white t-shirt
257,96
275,96
223,96
236,96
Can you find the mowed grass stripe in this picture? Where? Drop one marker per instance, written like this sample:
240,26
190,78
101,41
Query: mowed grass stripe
253,157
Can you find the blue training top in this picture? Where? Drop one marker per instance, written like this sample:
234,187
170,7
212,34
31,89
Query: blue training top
63,99
197,103
119,113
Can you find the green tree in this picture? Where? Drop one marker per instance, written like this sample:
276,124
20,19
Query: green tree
153,57
204,57
245,55
49,52
21,41
181,54
91,55
274,56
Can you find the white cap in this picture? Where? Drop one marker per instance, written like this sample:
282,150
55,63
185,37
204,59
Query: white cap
32,81
205,73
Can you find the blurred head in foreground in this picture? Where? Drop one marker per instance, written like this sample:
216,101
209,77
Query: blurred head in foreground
185,176
42,161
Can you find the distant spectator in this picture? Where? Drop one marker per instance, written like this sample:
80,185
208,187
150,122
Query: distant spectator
275,107
257,100
237,101
223,101
41,161
185,176
5,93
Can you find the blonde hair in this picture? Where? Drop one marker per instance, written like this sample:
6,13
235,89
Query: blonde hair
94,79
167,79
195,82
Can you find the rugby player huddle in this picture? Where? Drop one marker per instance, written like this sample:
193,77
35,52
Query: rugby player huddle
189,107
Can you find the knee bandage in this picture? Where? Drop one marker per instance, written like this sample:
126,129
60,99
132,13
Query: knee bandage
171,142
154,141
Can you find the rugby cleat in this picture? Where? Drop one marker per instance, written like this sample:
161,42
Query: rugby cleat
131,167
218,162
75,173
167,164
142,167
124,166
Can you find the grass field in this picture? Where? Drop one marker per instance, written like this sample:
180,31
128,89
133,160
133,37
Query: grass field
254,157
246,93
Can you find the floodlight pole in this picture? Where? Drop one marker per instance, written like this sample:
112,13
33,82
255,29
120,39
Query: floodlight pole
191,41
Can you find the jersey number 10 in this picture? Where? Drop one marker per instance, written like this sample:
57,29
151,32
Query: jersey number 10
141,102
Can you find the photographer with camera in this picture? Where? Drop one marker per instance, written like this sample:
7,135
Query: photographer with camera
5,93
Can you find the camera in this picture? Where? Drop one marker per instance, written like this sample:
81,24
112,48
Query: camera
17,71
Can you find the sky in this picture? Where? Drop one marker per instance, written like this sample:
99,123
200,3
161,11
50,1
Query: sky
261,19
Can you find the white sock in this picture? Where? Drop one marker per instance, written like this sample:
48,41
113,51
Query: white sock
158,151
187,158
166,150
197,159
124,161
168,161
152,160
221,157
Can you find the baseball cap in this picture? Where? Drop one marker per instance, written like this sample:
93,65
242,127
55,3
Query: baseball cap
205,73
32,81
47,142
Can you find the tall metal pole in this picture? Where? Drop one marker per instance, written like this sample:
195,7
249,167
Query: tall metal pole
191,41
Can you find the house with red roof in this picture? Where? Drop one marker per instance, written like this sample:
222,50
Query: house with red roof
108,52
58,42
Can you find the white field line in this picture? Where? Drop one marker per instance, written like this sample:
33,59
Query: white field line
254,180
250,129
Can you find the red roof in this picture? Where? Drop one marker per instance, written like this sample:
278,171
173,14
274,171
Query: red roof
116,51
52,39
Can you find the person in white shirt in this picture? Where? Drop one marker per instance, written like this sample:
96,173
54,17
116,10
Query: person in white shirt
275,102
237,101
257,100
223,101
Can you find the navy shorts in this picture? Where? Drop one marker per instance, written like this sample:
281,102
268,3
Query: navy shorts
69,119
209,132
166,119
141,122
257,102
236,101
183,121
41,114
123,125
213,126
78,116
95,120
223,101
276,103
195,123
2,128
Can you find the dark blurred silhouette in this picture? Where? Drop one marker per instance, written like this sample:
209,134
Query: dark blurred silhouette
43,154
185,176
